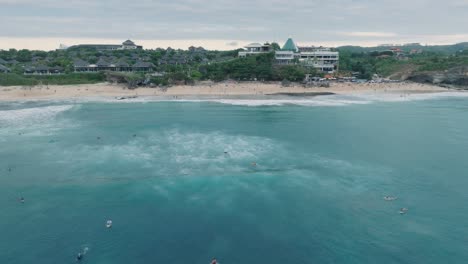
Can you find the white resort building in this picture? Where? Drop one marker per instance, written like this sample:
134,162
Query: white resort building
255,48
323,59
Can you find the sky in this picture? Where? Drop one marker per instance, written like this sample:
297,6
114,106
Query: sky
229,24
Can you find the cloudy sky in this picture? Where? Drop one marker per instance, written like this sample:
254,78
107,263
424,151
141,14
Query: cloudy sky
229,24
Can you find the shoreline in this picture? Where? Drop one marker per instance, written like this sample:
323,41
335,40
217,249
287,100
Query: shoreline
222,90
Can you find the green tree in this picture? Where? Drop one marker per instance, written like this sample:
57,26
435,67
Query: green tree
275,46
23,55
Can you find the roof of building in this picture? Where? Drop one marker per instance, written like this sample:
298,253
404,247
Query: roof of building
254,45
56,69
80,63
42,68
143,64
122,63
290,45
102,63
128,43
3,68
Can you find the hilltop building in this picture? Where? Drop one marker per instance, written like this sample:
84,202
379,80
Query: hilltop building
126,45
323,59
255,49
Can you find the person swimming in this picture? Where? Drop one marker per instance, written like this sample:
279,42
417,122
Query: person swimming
109,223
403,210
254,164
390,198
81,255
214,261
21,199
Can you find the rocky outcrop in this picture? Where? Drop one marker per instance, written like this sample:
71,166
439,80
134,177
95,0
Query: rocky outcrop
457,76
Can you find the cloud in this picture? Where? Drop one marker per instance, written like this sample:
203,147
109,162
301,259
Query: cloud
370,34
232,44
331,21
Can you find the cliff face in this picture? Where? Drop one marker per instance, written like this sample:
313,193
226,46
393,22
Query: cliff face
457,76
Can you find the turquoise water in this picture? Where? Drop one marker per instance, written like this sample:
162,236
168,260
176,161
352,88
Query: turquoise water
159,171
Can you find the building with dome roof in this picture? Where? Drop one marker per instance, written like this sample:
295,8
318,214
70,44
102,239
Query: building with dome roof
321,58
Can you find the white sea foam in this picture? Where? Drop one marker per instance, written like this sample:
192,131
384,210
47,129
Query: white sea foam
35,121
172,152
406,97
317,101
38,114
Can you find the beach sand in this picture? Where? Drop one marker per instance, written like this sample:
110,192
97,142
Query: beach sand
52,92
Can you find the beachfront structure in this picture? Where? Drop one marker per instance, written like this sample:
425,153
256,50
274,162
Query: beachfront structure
323,59
119,66
126,45
255,49
42,70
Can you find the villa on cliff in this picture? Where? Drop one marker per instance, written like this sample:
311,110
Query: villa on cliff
126,45
323,59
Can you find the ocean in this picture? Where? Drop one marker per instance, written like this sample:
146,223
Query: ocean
246,181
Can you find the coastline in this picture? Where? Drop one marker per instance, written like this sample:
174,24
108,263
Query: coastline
224,89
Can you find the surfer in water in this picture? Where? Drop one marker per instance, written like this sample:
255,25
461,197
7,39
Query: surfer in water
81,255
21,199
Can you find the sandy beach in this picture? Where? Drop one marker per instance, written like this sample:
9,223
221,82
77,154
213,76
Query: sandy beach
15,93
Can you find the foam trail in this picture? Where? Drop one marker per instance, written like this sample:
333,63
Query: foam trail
406,97
36,113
